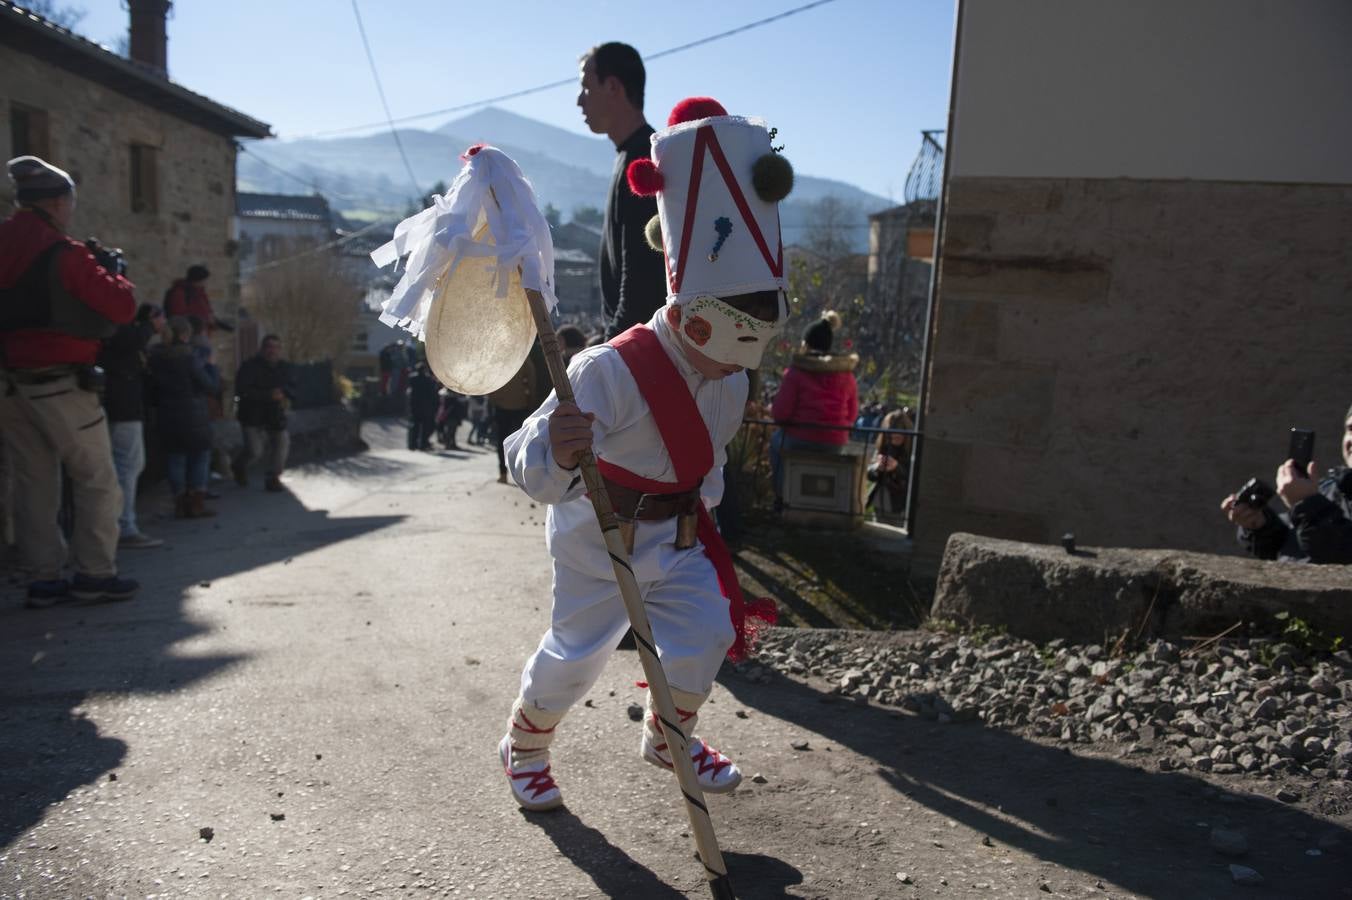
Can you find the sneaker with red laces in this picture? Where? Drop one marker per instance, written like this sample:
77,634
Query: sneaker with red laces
532,786
715,772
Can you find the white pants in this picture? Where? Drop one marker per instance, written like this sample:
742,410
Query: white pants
689,618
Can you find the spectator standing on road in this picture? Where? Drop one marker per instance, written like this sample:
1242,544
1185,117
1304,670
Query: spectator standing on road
423,404
890,469
264,391
818,388
56,303
451,409
1317,524
386,362
125,366
633,278
187,297
183,380
478,419
513,401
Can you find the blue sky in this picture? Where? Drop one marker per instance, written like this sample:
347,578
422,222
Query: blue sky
849,84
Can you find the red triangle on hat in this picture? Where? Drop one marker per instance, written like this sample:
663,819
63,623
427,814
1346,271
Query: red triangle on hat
705,137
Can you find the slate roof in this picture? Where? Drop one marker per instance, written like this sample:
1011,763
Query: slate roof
30,33
295,207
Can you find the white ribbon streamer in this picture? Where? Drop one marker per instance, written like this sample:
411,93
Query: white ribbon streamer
441,237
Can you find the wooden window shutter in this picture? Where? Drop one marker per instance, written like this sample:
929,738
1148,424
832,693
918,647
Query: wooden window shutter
145,193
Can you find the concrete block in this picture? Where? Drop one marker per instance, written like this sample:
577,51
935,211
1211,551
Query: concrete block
1041,592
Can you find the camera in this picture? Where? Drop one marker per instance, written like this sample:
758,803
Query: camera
1255,493
110,258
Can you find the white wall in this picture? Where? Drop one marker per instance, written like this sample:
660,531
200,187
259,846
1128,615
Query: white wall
1224,90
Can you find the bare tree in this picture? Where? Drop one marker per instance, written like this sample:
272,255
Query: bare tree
311,302
882,314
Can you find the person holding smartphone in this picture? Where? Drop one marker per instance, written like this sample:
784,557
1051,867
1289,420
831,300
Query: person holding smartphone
1317,524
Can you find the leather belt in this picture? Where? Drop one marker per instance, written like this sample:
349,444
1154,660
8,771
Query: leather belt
640,507
635,506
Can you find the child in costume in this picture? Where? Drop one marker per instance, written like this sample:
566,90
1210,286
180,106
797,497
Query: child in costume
658,406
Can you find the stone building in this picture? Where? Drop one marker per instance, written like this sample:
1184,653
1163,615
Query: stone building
577,274
271,226
900,260
155,162
1145,277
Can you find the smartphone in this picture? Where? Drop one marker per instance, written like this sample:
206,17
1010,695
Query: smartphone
1301,450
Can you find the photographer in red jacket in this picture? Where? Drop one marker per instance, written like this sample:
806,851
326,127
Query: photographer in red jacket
56,303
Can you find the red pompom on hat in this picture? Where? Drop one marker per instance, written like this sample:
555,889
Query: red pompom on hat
693,108
645,180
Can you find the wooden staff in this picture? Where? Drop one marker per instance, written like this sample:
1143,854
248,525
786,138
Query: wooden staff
678,742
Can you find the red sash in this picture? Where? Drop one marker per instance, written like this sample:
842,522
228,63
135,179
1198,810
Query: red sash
692,455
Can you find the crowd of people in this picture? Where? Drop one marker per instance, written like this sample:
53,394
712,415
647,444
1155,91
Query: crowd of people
91,384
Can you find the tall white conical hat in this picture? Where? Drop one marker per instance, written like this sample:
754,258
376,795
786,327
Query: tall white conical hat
718,183
471,257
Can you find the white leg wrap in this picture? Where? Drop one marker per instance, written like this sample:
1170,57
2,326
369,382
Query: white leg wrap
687,708
531,731
714,771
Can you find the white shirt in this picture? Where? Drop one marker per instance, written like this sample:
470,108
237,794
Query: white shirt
625,435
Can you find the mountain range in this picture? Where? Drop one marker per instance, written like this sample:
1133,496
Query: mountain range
365,179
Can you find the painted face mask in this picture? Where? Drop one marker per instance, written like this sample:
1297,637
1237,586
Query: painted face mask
726,334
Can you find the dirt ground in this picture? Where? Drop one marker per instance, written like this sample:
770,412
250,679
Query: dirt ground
321,677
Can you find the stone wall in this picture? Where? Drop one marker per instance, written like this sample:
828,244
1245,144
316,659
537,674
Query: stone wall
91,130
1112,357
1096,595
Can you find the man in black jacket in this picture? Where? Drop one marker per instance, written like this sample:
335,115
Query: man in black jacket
633,277
1318,524
123,358
263,393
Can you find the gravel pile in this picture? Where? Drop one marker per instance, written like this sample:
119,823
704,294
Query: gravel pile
1245,707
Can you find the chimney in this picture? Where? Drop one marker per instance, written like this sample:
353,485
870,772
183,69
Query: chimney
149,42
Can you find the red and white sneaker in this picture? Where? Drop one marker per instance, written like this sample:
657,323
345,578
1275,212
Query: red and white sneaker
715,772
532,786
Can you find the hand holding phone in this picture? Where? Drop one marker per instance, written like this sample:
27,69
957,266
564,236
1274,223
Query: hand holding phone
1301,450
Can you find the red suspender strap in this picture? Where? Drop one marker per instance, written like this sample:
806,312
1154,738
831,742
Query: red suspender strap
664,390
687,441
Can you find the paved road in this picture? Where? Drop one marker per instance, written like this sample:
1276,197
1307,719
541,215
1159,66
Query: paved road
321,678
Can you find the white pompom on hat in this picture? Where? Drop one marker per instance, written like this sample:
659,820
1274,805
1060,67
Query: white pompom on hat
37,179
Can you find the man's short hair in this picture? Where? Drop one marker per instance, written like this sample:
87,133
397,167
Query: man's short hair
616,60
269,337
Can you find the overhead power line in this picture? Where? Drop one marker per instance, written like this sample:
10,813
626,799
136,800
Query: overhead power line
308,182
375,74
461,107
273,263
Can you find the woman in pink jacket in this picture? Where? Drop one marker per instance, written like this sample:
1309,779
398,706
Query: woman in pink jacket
818,389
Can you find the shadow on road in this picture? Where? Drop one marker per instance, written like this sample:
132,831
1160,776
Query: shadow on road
1148,831
55,662
617,874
